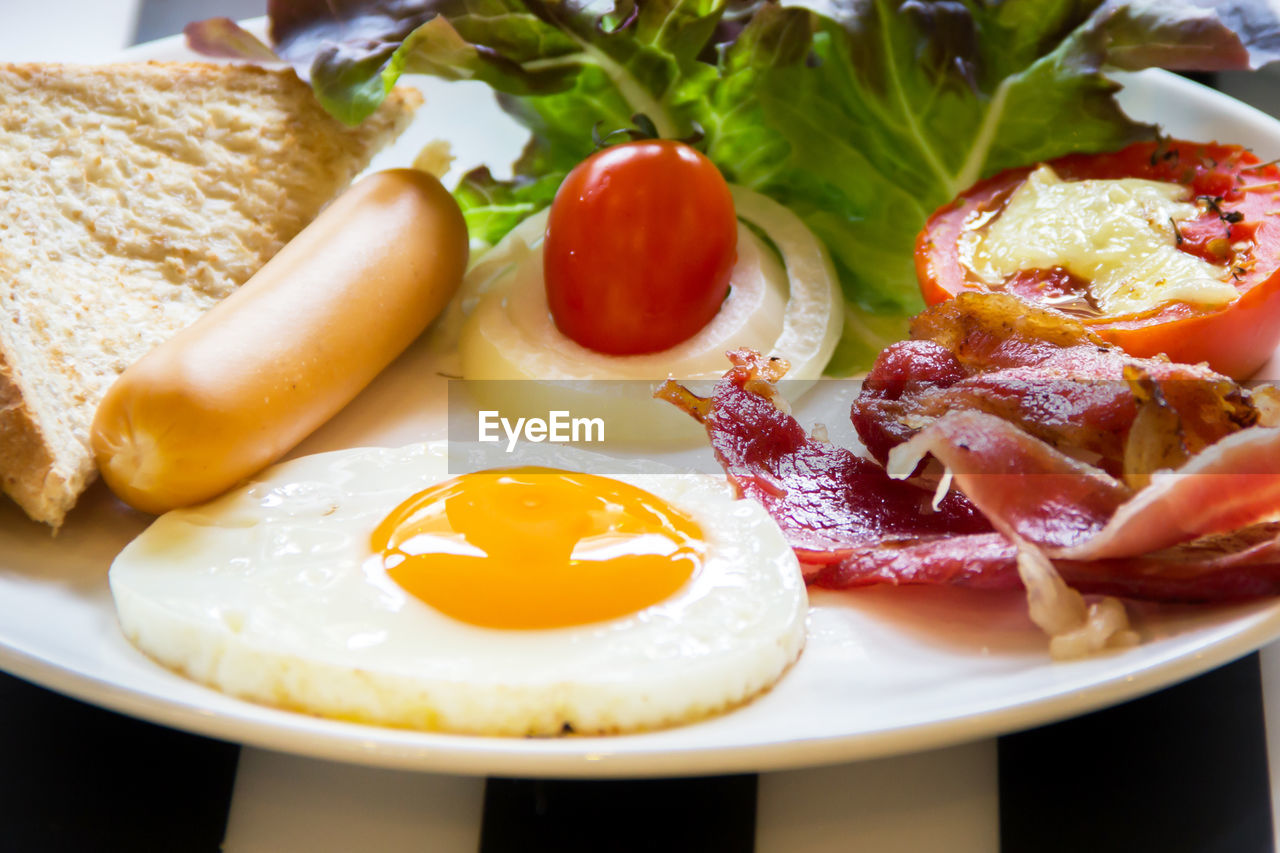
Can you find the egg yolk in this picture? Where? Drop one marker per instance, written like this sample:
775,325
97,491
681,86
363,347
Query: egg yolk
538,548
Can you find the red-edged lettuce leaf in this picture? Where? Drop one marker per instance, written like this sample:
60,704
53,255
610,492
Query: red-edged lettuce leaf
1152,33
224,38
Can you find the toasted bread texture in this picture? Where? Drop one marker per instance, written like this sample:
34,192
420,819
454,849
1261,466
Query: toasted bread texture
135,196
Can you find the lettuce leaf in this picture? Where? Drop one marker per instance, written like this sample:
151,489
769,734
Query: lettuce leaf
863,116
223,37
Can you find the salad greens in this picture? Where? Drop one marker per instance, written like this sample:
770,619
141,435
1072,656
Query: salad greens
863,116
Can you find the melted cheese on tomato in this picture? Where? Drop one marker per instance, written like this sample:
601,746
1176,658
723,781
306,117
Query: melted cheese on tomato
1117,235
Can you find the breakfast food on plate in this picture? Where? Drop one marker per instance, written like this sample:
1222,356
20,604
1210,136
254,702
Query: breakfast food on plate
234,391
1010,399
1163,247
366,585
136,197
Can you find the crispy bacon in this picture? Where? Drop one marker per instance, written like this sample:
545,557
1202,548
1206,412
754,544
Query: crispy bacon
1245,564
1052,377
1242,565
1025,488
975,560
826,499
1080,513
1206,532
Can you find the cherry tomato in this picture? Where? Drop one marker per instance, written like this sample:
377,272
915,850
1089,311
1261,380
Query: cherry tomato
640,244
1239,227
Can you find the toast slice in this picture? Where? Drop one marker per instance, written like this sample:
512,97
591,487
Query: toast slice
135,196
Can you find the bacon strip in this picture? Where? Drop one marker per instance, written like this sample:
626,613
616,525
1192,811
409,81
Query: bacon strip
1079,513
1231,485
1045,373
825,499
1025,488
976,560
1217,569
1214,570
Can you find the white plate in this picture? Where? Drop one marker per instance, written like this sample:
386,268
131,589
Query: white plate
885,670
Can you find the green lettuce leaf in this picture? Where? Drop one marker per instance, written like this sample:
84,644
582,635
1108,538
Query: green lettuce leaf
620,59
863,116
492,207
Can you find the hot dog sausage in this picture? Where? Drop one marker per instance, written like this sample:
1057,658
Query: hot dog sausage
268,365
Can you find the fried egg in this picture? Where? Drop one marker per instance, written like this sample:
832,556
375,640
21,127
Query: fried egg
368,585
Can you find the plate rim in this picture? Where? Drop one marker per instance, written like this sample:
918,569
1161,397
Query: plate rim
469,755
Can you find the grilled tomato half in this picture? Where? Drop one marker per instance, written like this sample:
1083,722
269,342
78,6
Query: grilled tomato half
1163,247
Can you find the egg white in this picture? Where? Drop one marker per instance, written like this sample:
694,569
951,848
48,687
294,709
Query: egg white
271,593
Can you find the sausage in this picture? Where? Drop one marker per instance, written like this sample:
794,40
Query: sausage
264,368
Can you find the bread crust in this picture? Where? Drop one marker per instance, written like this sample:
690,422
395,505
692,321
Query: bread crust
26,462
